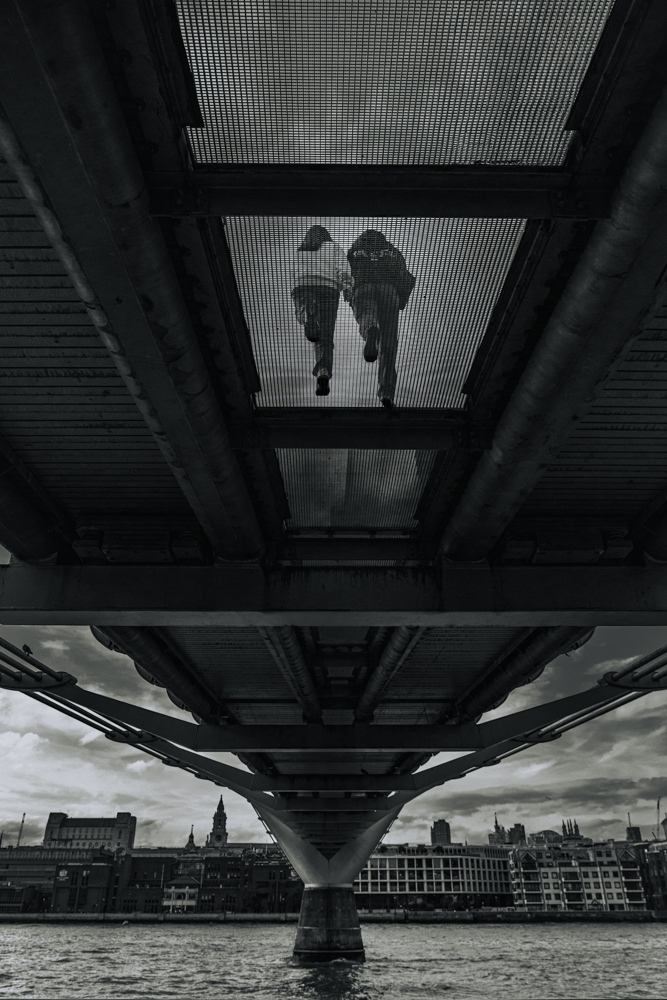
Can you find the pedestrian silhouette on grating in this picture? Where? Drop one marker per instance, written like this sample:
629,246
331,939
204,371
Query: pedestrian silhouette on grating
320,272
382,287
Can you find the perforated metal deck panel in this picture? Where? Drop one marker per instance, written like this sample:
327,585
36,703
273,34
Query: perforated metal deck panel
459,266
339,488
387,81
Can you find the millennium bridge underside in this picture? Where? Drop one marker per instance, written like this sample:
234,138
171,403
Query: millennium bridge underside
335,591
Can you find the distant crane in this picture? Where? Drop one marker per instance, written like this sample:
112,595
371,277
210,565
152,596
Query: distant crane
18,841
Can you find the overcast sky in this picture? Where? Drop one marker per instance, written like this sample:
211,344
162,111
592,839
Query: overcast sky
595,774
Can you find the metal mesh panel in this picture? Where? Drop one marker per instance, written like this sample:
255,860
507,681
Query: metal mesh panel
387,81
459,266
335,487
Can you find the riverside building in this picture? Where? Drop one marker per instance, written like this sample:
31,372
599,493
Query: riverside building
75,833
417,876
589,876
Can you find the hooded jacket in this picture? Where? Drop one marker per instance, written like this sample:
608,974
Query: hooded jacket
320,261
373,259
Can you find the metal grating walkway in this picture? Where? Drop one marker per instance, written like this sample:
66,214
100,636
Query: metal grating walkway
387,81
459,266
338,488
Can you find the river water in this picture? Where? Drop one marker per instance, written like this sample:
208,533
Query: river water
227,961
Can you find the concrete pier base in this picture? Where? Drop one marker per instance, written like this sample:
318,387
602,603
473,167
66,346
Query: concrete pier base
328,925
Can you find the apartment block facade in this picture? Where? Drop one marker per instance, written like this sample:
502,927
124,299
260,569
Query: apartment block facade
603,876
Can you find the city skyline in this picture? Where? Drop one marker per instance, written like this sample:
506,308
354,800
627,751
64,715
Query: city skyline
51,763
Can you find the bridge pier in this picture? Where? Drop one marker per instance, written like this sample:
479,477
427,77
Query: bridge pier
328,925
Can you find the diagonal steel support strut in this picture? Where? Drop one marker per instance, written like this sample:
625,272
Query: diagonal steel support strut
173,741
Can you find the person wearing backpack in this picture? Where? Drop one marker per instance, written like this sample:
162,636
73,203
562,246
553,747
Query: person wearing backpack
381,289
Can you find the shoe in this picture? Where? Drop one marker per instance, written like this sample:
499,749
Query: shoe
371,345
322,385
387,402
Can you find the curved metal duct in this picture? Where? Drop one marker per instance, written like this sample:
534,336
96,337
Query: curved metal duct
567,362
161,665
23,529
283,644
524,663
400,644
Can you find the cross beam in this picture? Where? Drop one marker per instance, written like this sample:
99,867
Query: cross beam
359,427
248,594
429,192
340,739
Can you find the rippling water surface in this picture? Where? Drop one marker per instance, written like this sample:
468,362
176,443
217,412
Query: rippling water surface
252,961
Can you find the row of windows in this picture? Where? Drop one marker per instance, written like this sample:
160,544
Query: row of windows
419,887
586,884
437,863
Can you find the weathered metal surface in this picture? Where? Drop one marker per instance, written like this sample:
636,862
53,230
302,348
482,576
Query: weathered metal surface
247,595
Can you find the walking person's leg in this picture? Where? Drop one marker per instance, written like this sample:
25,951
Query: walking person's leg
306,312
327,299
388,312
365,309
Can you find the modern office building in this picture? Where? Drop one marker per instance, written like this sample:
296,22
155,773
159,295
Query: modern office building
417,876
441,832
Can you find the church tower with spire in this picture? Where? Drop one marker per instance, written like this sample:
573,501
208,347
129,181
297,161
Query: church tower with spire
218,835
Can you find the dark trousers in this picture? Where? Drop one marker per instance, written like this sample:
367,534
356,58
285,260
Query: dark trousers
316,308
375,303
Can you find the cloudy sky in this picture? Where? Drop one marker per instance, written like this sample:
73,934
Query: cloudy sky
595,774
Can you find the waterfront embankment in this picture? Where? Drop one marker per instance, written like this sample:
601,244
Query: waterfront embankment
392,917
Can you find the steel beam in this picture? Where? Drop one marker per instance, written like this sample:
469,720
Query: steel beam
601,306
523,663
60,100
345,549
248,595
431,192
354,739
284,646
401,643
358,427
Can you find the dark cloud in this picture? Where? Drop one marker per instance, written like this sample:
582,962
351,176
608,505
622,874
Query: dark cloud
606,792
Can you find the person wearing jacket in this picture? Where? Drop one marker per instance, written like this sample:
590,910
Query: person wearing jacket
382,287
320,272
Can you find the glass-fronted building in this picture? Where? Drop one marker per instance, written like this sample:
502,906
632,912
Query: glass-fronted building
417,876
